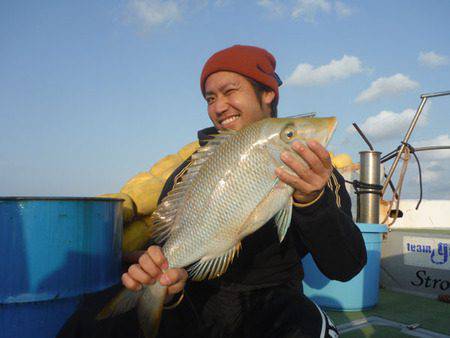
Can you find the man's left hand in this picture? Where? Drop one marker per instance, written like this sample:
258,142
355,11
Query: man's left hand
310,180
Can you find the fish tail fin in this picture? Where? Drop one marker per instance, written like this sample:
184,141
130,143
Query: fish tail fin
123,302
150,308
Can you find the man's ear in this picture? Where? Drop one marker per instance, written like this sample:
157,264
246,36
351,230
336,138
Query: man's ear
268,97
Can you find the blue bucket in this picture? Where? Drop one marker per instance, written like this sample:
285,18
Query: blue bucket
361,292
54,250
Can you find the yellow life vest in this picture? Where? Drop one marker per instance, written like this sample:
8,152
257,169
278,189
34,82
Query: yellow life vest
141,194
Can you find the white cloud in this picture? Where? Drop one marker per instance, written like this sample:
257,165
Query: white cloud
308,9
343,10
152,13
389,125
441,140
222,3
434,164
306,75
149,14
429,175
432,171
432,59
305,10
274,7
387,86
435,179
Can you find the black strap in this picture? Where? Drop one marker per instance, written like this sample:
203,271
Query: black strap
368,188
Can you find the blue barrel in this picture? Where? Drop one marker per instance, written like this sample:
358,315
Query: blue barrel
52,251
361,292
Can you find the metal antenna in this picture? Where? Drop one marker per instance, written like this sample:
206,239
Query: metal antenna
313,114
424,98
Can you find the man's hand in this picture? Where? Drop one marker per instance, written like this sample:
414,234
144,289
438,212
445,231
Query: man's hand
309,181
152,266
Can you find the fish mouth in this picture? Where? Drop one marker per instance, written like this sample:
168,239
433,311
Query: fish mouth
229,120
332,124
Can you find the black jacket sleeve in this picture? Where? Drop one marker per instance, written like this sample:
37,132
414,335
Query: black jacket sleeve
328,232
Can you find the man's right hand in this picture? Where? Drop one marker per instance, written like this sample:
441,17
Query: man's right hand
151,266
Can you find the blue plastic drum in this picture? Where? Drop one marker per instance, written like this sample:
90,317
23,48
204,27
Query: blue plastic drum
54,250
361,292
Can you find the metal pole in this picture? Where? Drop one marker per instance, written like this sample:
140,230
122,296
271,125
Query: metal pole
424,98
405,140
429,148
432,148
312,114
368,209
435,94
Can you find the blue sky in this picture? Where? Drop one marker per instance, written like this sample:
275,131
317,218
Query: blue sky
93,92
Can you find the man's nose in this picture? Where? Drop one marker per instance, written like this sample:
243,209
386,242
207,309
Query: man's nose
220,105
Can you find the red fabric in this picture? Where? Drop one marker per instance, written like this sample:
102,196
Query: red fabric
253,62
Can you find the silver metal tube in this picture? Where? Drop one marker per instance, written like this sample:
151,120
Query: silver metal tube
312,114
432,148
435,94
368,208
405,140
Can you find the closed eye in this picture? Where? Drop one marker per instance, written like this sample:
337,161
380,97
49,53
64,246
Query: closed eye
230,91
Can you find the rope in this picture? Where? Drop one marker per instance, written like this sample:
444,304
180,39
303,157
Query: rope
406,156
358,185
398,189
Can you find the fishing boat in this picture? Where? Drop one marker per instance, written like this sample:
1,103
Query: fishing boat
403,291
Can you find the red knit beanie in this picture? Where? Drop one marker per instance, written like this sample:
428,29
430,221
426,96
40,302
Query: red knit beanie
253,62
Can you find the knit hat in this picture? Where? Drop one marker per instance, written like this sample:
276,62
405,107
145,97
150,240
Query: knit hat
253,62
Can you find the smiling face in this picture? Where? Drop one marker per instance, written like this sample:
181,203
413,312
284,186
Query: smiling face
232,101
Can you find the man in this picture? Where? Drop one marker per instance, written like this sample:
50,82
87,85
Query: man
260,294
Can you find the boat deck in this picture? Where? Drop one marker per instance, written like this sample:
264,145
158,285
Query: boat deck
396,315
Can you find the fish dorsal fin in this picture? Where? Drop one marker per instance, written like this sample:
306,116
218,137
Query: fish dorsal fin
164,216
212,143
283,219
213,267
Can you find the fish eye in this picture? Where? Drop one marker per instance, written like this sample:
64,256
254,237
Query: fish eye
287,134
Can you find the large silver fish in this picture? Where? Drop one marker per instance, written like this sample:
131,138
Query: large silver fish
228,192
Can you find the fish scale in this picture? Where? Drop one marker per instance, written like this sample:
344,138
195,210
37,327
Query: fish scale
245,184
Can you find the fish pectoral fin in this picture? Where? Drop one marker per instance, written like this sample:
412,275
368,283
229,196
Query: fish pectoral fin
213,267
123,302
283,220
